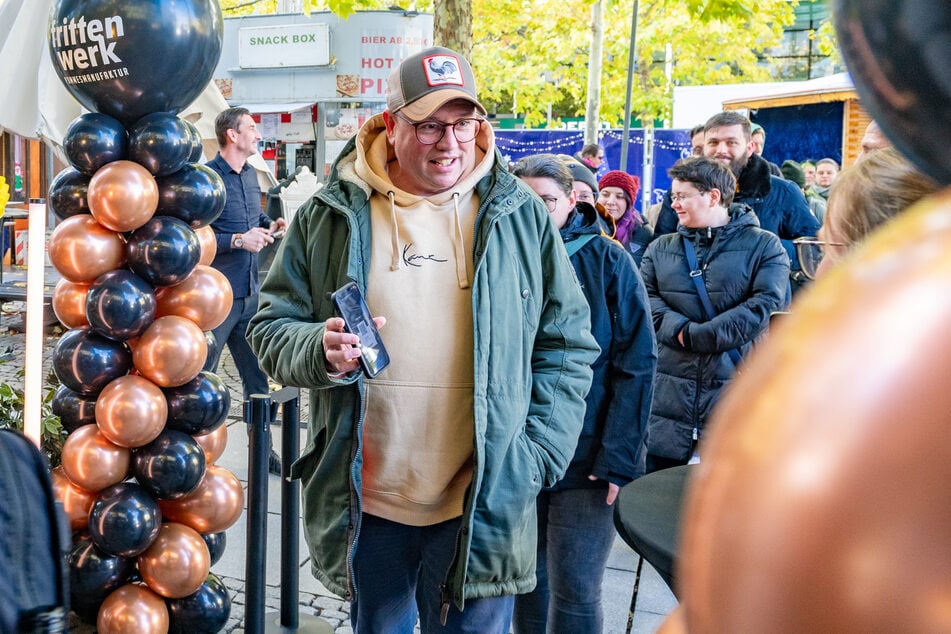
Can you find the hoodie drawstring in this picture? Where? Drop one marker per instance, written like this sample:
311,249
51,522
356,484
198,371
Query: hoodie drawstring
396,262
459,245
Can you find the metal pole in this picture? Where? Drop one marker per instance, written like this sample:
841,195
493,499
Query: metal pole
290,619
258,416
290,508
631,63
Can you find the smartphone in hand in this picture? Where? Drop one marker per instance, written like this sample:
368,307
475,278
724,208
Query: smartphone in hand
357,320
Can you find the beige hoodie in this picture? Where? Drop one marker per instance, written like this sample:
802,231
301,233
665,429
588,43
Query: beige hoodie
418,427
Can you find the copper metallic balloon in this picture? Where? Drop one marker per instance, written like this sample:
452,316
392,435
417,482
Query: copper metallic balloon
823,503
76,501
213,443
177,562
133,609
122,196
81,249
209,244
214,506
131,411
69,303
204,297
91,461
171,351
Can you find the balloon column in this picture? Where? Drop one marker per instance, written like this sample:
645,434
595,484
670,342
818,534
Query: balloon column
141,490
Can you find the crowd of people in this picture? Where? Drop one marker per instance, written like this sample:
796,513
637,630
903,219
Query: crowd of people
549,342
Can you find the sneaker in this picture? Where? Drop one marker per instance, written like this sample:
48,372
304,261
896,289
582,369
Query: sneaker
274,463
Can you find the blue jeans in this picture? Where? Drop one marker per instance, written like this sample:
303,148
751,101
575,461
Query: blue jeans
398,573
575,535
232,332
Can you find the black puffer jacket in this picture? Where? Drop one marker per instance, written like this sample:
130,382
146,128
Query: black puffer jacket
745,270
611,445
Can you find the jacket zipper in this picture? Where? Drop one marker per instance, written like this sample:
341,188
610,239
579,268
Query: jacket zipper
445,598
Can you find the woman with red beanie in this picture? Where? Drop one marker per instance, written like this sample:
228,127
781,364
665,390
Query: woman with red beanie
617,194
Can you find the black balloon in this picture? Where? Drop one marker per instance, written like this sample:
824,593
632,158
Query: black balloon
85,362
199,406
163,251
124,519
198,149
211,359
120,305
67,193
127,59
899,56
74,409
94,574
169,467
161,142
216,543
94,139
204,612
194,194
87,611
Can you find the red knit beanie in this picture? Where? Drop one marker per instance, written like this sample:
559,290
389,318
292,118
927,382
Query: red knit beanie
629,184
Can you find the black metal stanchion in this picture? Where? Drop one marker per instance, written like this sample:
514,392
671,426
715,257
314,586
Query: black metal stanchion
290,619
258,417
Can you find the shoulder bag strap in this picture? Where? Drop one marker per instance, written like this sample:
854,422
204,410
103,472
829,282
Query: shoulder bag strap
697,276
574,244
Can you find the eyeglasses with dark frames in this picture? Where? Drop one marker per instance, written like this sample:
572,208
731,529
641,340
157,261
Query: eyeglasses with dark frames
431,132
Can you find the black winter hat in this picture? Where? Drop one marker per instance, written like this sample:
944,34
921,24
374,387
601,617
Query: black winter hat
580,172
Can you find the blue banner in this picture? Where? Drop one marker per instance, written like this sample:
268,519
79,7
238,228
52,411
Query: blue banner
669,147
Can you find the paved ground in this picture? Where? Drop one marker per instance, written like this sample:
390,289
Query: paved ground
320,610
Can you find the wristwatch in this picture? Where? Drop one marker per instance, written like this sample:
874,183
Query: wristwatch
237,241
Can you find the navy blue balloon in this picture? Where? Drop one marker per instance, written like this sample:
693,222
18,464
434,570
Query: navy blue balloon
85,362
94,139
204,612
198,149
67,195
211,358
163,251
169,467
216,543
120,305
199,406
194,194
124,519
161,142
127,59
94,574
74,409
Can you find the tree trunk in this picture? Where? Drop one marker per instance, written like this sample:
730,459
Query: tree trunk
452,25
592,115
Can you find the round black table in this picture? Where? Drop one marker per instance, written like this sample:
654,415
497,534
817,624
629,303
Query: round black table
647,517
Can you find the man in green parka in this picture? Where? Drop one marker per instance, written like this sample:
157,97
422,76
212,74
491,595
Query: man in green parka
419,485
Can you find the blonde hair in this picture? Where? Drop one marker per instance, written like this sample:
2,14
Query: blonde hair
872,192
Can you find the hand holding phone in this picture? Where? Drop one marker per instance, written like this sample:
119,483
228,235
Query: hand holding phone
279,233
357,320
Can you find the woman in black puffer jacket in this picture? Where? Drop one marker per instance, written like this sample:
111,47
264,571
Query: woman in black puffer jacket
744,269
